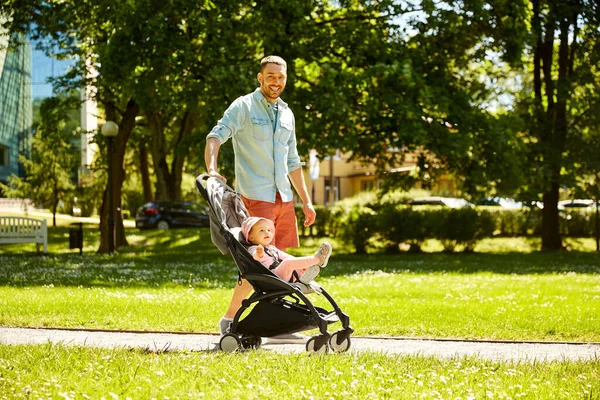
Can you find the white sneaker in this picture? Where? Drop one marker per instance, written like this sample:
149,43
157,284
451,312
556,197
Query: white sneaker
310,274
288,338
225,325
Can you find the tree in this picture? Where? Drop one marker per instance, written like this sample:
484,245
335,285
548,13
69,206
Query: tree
379,79
557,101
48,180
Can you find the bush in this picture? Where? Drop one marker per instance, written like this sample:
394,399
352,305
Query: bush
355,226
398,224
387,221
516,222
462,226
578,223
322,225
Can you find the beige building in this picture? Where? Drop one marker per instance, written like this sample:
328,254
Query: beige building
351,178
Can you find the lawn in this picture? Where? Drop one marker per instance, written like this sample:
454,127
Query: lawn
56,371
178,281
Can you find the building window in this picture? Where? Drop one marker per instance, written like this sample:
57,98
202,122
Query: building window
336,190
367,186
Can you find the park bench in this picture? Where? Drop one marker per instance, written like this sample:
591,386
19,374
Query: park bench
24,230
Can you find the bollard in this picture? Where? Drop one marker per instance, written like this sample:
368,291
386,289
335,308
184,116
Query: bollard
76,237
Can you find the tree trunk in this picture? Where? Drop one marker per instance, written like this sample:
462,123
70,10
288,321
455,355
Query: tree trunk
551,239
550,114
145,173
158,151
54,206
169,177
119,146
554,145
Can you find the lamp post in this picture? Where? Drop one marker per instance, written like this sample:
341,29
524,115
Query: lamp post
110,129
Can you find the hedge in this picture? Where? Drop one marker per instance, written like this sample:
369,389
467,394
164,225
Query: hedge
394,223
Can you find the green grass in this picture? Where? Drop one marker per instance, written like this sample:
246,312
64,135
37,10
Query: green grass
57,371
178,281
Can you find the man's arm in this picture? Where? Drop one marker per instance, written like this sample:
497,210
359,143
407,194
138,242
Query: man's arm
297,179
211,153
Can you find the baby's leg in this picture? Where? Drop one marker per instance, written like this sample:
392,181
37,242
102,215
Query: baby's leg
289,265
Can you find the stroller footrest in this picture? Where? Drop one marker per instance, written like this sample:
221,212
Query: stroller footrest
330,317
302,287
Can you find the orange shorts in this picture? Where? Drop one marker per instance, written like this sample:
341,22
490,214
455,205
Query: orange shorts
282,214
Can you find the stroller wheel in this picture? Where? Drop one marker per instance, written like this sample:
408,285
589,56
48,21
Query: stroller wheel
317,345
340,341
251,342
230,343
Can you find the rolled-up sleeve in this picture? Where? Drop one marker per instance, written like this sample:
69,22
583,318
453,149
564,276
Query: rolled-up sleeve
293,160
230,123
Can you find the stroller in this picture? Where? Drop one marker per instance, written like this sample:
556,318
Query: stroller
275,307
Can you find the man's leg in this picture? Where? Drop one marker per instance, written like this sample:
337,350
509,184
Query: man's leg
286,225
240,292
282,214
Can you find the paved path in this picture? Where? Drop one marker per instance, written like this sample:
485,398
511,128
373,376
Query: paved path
499,351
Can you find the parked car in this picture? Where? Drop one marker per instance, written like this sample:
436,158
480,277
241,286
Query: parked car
451,202
171,214
576,203
503,202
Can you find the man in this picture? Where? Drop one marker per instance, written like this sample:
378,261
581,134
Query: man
262,129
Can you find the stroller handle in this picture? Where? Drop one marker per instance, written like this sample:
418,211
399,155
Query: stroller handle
201,185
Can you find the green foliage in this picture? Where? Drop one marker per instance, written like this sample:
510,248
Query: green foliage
355,226
517,222
369,222
323,225
49,171
578,223
458,85
463,226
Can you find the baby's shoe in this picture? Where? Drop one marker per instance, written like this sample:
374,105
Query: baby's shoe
323,254
310,274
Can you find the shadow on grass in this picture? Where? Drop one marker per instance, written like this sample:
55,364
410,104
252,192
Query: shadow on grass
187,257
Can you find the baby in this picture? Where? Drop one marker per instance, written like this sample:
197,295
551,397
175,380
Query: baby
260,232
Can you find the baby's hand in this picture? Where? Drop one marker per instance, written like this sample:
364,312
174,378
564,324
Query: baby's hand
260,251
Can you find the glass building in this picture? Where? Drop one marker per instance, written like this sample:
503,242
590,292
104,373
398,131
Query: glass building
15,104
25,75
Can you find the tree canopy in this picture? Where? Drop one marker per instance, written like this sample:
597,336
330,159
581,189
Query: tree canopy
501,94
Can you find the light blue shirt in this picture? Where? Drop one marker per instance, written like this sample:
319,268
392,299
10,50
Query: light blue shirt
264,156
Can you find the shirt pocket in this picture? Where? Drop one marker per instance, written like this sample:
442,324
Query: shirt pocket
261,128
286,132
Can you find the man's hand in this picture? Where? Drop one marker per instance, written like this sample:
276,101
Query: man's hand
309,214
215,174
260,252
